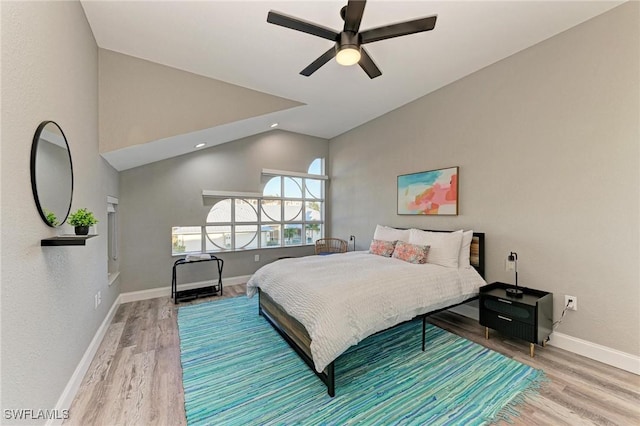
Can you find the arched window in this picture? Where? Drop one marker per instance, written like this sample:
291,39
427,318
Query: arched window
232,224
290,212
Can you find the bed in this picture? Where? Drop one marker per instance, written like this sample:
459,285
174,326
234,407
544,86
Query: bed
322,305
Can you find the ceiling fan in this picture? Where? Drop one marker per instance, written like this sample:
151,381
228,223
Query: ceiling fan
348,48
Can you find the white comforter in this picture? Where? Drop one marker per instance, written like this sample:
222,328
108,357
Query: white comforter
343,298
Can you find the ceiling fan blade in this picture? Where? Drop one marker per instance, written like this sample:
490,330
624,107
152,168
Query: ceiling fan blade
397,30
313,66
367,64
283,20
353,15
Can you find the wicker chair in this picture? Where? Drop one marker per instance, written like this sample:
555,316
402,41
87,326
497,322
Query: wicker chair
330,246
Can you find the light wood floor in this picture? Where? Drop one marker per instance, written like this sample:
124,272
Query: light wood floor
136,377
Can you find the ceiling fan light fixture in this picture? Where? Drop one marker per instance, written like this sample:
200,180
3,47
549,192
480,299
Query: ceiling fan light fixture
347,49
348,55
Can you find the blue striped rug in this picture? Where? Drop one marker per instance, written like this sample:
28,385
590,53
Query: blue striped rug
238,371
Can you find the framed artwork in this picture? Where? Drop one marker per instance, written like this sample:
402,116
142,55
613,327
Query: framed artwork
434,192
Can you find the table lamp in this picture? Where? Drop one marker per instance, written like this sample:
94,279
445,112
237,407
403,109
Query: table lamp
512,261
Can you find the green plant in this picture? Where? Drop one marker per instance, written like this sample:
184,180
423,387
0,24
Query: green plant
51,218
178,245
291,234
82,217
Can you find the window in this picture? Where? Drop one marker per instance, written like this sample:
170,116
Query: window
289,212
232,224
186,239
112,239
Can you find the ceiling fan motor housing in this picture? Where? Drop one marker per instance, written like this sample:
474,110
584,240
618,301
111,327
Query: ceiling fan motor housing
348,40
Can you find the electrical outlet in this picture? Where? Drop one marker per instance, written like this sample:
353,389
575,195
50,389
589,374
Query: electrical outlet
95,301
99,298
256,258
571,302
352,237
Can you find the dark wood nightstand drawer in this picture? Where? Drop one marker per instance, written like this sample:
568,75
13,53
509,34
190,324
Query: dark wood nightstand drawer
511,309
529,317
507,325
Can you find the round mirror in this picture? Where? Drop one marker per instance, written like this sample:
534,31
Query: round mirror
51,173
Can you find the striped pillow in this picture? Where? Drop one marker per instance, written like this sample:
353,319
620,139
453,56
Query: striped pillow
411,253
382,248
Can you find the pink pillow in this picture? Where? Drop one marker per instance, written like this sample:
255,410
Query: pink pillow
382,248
411,253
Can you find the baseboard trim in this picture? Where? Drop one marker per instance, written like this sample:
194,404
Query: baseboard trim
73,385
152,293
70,391
604,354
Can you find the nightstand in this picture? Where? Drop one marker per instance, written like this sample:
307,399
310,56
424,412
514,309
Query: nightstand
528,318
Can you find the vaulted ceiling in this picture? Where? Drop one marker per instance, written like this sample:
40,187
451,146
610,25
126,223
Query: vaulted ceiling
231,41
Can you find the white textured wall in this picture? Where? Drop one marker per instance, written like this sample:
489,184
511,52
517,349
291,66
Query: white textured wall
547,143
49,72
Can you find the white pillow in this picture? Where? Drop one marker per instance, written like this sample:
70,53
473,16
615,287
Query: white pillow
386,233
465,250
444,246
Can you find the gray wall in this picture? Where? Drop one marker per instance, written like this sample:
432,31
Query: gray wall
49,72
142,101
547,144
168,193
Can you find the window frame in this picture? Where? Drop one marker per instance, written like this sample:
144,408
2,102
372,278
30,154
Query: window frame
300,219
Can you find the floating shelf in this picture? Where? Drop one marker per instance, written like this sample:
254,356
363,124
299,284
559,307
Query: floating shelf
66,240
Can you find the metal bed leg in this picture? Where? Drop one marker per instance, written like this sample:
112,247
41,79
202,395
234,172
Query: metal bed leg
331,381
424,331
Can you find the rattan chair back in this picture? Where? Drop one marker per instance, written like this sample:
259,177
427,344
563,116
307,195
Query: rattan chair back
330,245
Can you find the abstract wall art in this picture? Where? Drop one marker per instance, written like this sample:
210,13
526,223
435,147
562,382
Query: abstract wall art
434,192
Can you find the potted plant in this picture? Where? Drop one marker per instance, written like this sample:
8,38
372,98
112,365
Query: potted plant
51,218
82,220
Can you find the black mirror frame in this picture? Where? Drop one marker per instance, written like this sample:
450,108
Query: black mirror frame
34,186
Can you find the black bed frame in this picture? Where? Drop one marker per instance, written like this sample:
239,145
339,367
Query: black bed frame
295,335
